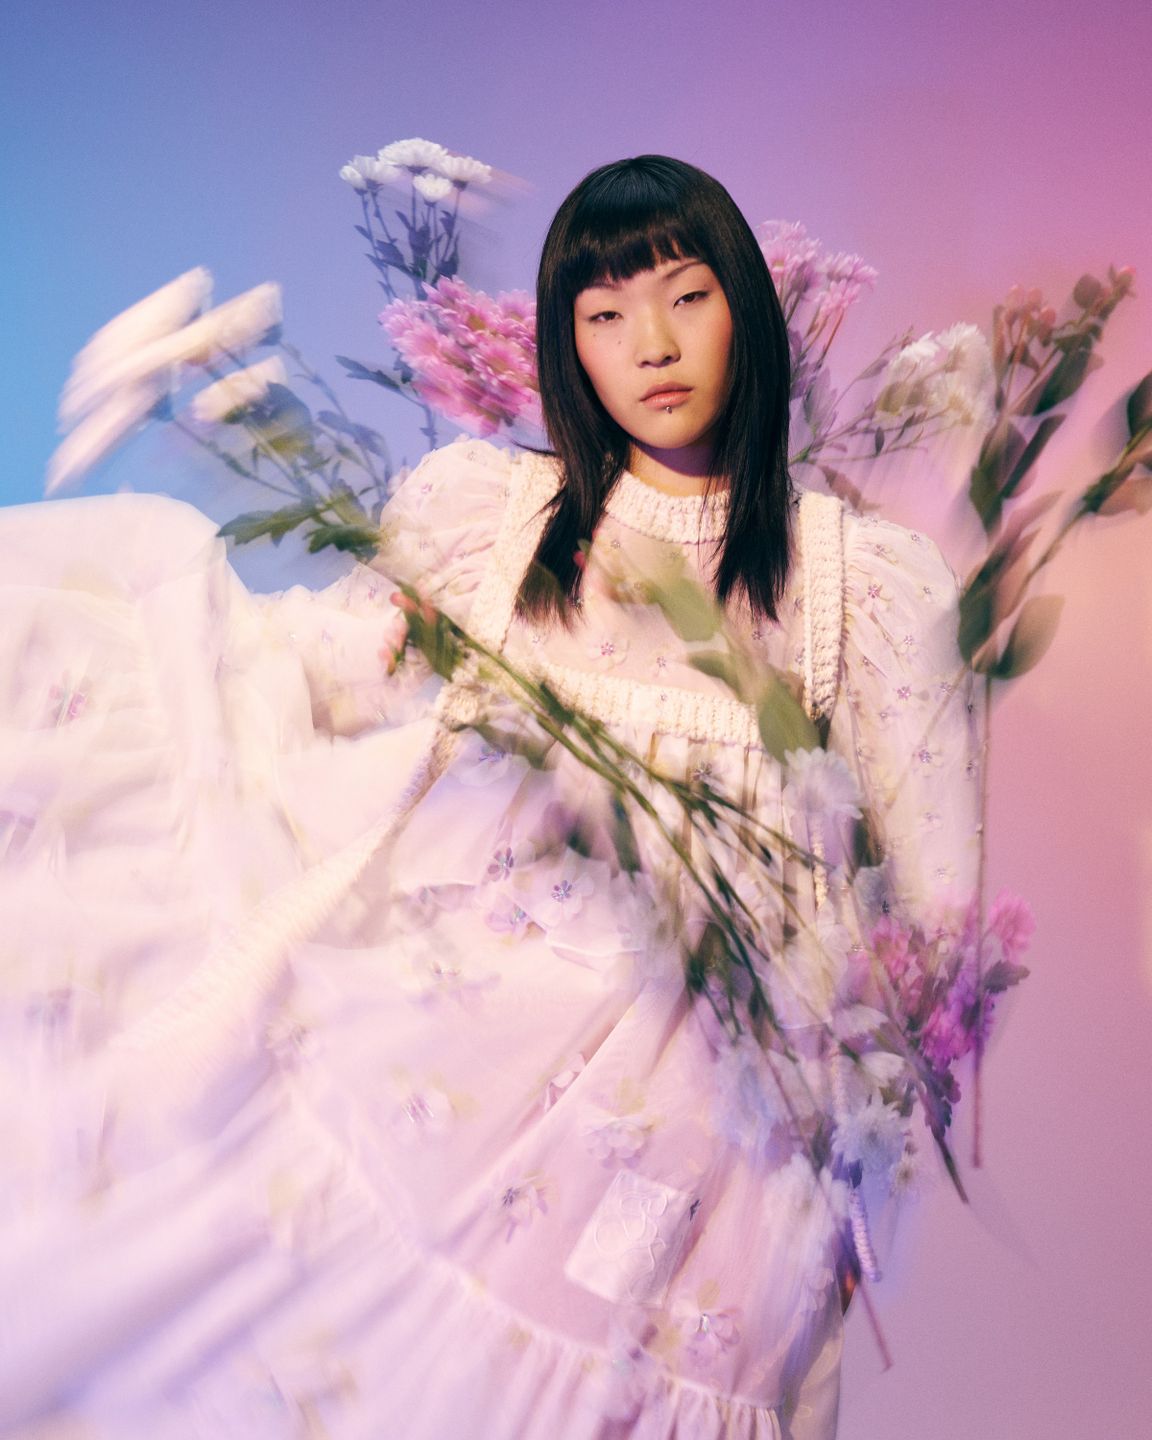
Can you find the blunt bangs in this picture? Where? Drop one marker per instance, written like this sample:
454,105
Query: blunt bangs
626,241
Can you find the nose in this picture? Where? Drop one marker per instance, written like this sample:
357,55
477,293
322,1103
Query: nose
655,343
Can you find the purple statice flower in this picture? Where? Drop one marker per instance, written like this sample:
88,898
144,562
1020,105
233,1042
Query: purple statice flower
473,355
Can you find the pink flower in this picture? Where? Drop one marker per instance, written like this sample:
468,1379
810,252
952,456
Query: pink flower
473,354
1013,924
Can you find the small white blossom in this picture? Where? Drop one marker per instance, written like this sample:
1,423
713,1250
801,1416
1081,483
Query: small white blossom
432,187
353,176
871,1136
367,172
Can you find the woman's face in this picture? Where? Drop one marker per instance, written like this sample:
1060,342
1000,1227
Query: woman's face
656,350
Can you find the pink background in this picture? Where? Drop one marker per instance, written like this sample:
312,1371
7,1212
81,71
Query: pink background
959,149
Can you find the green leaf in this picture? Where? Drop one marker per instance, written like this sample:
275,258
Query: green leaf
1067,376
365,437
1031,637
358,540
977,611
782,722
1029,455
1134,492
718,664
274,524
1004,973
1002,448
358,371
1140,406
691,611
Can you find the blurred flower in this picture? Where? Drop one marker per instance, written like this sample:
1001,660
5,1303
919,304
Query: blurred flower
615,1139
562,1080
820,794
1013,923
473,355
104,428
122,361
368,172
156,316
432,187
518,1200
463,170
949,375
871,1136
706,1331
414,154
792,256
239,390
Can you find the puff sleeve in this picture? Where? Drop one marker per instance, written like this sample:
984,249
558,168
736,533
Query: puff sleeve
906,716
436,533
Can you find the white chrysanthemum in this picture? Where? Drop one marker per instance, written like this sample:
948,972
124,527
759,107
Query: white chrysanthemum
872,1136
809,979
238,391
414,153
950,373
228,329
820,796
160,314
464,170
366,172
352,175
432,187
103,429
748,1101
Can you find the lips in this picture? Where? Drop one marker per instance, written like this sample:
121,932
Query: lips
661,395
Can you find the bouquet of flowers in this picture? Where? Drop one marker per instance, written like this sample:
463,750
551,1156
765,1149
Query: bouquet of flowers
919,1000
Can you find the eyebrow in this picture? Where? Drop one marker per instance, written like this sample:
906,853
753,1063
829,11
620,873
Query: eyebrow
671,275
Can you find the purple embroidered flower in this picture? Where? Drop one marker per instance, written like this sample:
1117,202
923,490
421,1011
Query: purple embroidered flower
518,1200
508,918
506,858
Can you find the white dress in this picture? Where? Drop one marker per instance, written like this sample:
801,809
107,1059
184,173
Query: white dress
349,1087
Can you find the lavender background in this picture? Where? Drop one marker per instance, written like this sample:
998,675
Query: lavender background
959,149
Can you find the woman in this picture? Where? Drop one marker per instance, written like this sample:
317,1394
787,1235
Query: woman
332,1124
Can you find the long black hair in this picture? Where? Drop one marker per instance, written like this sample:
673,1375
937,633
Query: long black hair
621,219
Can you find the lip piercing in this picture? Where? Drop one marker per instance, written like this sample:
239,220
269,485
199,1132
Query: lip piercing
667,409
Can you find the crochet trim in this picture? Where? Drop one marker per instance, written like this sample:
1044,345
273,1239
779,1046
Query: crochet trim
678,519
666,709
822,547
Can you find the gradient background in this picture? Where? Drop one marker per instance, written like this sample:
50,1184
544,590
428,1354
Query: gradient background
959,149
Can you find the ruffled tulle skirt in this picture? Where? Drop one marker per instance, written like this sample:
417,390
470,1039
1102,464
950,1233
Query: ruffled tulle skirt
305,1136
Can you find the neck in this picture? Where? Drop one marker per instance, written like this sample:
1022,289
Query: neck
675,472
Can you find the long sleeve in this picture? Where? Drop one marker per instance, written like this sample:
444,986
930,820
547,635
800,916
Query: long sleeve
436,533
906,715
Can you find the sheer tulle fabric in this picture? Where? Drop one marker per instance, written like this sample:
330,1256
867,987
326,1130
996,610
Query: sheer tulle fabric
467,1159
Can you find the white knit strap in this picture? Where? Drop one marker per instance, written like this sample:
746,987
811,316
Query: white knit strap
822,556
